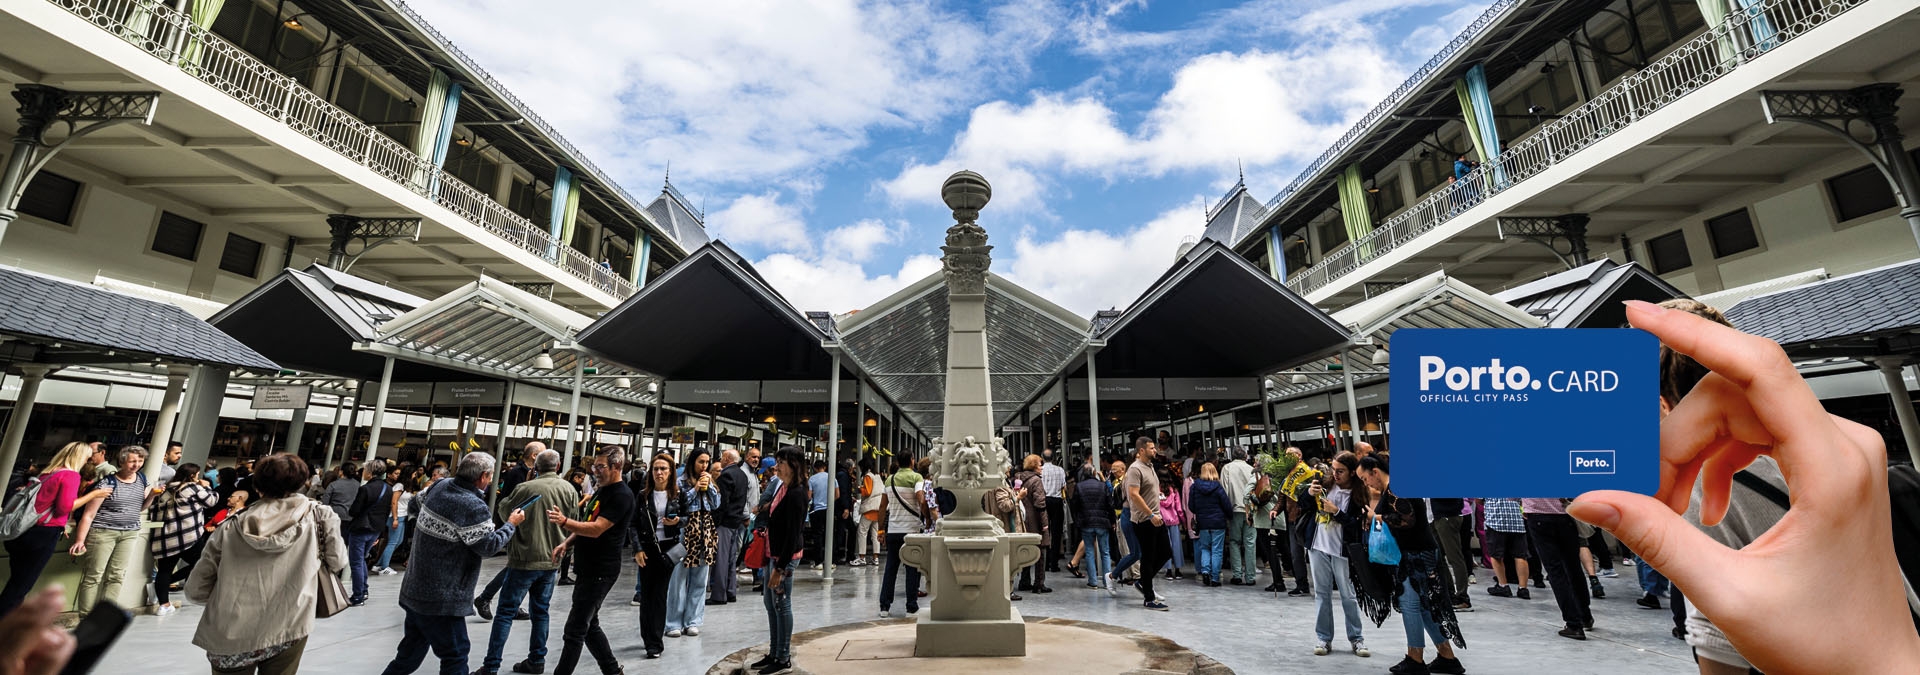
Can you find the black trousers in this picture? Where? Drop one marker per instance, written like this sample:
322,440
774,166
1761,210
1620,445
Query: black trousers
816,536
1301,582
1155,551
446,636
653,598
1557,539
583,622
1056,516
1267,542
845,530
27,557
1602,554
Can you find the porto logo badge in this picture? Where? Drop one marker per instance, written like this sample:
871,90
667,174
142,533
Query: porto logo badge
1524,412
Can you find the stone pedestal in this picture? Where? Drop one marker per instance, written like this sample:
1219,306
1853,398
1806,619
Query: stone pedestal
969,614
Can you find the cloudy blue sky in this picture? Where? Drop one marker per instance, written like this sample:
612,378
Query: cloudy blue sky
817,133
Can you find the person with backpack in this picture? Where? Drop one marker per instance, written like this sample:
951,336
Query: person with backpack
37,515
905,502
1032,497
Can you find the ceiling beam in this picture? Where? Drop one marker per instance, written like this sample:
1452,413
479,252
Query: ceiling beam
271,214
185,181
1694,159
1641,213
209,150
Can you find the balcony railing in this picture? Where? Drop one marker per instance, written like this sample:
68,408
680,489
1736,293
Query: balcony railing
171,36
1746,34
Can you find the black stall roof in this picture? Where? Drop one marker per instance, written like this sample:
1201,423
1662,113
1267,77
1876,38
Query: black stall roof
68,322
712,317
1589,296
1215,315
1871,313
309,320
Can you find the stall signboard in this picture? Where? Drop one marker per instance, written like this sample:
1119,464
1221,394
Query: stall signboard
1120,389
469,393
410,393
625,412
713,391
281,396
544,399
804,391
1312,404
1211,388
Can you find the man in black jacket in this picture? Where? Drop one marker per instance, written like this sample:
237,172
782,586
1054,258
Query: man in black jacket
366,519
732,519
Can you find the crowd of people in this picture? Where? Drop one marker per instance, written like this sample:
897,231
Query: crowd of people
249,542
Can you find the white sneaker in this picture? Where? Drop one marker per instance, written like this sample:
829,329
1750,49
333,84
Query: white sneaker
1609,574
1113,587
166,610
673,633
1360,649
884,614
1323,649
1159,597
693,631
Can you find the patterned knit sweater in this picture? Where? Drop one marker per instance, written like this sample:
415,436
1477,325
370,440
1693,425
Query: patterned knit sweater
454,532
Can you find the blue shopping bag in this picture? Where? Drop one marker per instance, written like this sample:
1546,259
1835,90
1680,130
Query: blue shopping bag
1381,548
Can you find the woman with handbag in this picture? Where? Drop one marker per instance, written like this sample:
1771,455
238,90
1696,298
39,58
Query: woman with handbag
258,573
656,523
1426,604
699,536
182,512
786,525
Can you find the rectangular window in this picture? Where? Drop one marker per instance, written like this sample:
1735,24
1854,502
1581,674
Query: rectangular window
1669,252
472,166
1531,107
1332,232
241,256
1732,233
178,236
1860,192
1658,24
256,29
360,96
50,196
1386,198
1432,168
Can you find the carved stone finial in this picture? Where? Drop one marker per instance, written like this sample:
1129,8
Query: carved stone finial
966,193
967,254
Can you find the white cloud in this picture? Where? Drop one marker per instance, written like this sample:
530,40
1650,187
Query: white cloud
837,284
858,241
761,219
735,92
1089,270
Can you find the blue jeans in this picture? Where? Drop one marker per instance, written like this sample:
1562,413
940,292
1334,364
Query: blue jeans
1207,552
1652,582
1329,573
687,597
358,545
1133,546
537,587
779,602
1413,610
445,635
894,542
394,535
1098,564
1179,558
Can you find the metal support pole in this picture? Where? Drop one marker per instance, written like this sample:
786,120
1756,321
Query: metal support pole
500,442
379,411
1353,407
333,430
296,429
833,447
1902,402
859,417
1266,413
573,407
163,422
353,424
16,432
1093,413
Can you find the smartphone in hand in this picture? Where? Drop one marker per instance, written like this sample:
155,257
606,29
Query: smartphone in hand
95,635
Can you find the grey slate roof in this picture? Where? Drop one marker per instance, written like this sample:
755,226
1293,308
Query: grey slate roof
1236,216
1873,303
1588,296
673,214
45,309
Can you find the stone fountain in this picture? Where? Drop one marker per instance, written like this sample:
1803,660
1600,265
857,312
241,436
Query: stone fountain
970,559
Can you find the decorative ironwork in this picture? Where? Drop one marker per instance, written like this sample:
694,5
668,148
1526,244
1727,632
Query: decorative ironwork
1875,108
1690,66
1373,288
1551,232
157,28
82,113
370,232
540,288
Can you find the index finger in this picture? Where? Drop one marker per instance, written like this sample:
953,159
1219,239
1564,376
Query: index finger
1781,399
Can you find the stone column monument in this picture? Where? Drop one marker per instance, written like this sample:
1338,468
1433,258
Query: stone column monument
970,559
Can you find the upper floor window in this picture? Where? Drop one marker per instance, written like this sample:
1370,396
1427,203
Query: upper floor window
1669,252
1332,233
1648,28
1431,169
50,196
1860,192
1530,107
472,166
359,95
1732,233
178,236
241,256
259,30
1386,197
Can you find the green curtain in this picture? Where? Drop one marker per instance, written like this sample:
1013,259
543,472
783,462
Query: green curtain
1464,93
431,111
572,213
203,12
1716,12
1354,211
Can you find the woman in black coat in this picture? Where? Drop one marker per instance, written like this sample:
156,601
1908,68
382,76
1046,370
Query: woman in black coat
786,527
656,527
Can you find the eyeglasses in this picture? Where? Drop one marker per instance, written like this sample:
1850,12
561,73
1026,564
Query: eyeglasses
598,467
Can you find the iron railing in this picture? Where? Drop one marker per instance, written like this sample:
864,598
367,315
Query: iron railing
171,36
1745,35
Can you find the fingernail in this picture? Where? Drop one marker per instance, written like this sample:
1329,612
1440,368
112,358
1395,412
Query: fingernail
1645,307
1596,514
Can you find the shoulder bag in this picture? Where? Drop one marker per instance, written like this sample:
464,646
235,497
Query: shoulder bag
331,597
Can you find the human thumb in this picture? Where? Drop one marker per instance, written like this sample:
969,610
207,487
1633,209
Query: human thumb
1662,538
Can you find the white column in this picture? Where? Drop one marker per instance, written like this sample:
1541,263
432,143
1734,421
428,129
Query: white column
200,414
573,408
1902,402
296,428
1093,414
379,411
33,375
833,449
163,423
333,430
1353,408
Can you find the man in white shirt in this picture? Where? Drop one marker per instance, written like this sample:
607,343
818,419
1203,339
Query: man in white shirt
1237,478
1054,480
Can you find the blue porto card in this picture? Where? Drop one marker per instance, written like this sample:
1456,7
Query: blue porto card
1524,412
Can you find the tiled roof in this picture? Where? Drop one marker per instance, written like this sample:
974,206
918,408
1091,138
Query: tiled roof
43,308
678,219
1572,299
1237,214
1884,300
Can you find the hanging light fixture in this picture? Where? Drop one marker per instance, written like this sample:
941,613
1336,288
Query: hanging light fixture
623,383
1380,357
1299,378
873,422
544,361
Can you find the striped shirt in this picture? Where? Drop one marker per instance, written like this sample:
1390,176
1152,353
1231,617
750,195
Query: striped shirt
121,511
1503,515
